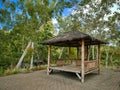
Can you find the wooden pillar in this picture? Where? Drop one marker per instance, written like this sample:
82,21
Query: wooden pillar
49,49
82,60
98,58
78,53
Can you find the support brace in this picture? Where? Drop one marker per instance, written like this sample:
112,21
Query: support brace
78,75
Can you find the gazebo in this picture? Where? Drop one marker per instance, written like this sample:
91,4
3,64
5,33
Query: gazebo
81,41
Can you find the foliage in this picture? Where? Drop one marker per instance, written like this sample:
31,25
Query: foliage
96,18
22,21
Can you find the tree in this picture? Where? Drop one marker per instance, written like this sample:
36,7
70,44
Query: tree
95,17
29,20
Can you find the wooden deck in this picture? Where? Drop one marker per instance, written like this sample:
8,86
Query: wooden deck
72,68
67,68
89,66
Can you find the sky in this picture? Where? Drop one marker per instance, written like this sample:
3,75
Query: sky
67,12
1,4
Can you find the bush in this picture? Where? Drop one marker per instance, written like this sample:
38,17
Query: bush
14,71
41,67
1,71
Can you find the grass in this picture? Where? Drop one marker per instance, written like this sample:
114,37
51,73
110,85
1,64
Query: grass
21,70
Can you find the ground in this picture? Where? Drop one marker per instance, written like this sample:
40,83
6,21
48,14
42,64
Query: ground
39,80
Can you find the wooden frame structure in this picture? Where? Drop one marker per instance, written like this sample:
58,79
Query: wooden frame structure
75,39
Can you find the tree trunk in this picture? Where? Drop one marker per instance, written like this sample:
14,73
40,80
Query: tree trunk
61,53
31,63
23,55
93,53
111,58
107,53
88,53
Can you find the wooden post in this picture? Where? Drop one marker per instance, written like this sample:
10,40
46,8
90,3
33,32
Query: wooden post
82,60
98,58
78,53
49,47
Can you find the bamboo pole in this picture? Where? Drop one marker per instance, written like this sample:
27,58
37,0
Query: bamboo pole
82,60
98,58
49,48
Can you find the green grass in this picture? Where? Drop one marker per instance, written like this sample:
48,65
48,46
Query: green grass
21,70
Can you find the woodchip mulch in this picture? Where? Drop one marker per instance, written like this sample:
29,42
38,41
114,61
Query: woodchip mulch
39,80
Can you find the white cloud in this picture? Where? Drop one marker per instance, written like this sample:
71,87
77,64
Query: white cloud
54,21
85,11
115,8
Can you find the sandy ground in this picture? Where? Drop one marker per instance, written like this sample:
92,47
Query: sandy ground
107,80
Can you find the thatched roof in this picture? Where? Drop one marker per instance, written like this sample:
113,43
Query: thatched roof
73,39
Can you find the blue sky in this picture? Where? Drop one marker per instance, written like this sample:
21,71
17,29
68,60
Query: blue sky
67,12
1,5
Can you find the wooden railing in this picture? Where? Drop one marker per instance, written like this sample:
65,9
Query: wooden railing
88,64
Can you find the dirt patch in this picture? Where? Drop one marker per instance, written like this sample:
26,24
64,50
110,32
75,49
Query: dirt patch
39,80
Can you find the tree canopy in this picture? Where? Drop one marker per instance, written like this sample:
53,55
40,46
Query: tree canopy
22,21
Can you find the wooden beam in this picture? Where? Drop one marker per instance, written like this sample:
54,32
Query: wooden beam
98,58
78,75
49,49
82,60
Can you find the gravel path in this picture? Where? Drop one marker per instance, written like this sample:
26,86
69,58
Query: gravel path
107,80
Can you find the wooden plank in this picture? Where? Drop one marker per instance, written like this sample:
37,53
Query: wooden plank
98,59
90,71
82,60
49,47
67,68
